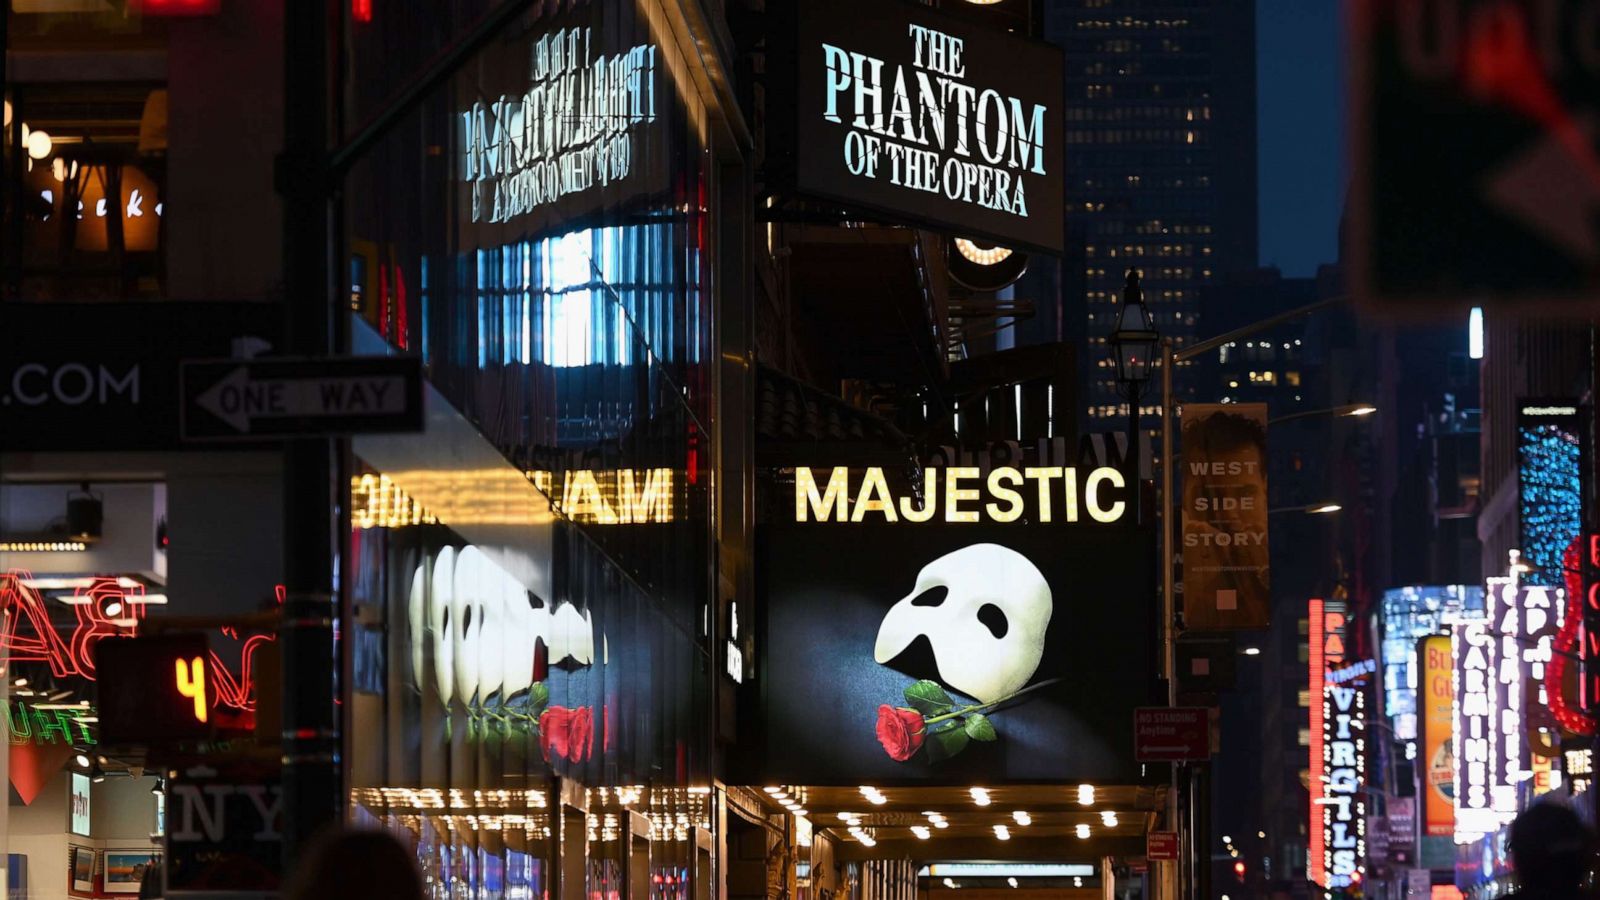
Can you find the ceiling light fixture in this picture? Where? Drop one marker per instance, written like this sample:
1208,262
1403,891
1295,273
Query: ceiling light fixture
921,831
1108,819
1085,795
980,796
1022,818
1011,881
1002,832
983,256
1083,831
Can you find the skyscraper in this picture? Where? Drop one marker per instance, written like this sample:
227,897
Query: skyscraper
1161,168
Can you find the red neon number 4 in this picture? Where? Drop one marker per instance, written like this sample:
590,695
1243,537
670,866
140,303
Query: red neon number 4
191,679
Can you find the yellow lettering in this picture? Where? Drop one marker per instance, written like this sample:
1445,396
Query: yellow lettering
1091,495
930,493
1043,474
874,497
191,680
1001,492
829,504
954,494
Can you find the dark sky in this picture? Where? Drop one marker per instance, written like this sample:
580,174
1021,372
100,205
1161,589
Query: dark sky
1300,117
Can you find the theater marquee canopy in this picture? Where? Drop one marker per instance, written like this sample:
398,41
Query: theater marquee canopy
909,112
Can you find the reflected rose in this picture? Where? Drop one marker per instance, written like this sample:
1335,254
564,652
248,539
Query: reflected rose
555,727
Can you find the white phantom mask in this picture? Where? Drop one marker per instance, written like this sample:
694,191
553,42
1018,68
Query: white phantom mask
984,609
439,624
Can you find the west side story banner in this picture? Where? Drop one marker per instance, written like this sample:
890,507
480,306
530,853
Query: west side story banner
1225,559
925,117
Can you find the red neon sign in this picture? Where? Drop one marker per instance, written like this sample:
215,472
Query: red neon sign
106,609
1567,644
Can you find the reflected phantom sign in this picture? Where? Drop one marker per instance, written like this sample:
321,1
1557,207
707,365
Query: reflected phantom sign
571,130
949,652
922,116
1225,572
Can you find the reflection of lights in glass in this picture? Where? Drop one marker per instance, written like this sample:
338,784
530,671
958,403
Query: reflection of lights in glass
983,256
39,144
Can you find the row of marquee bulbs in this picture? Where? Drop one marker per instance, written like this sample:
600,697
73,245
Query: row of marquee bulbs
37,142
980,797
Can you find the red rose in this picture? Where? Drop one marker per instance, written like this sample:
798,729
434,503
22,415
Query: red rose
900,731
555,727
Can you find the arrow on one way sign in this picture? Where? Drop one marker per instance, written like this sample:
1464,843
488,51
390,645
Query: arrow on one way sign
290,397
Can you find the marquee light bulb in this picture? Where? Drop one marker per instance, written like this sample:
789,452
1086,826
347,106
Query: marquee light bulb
983,256
921,831
39,144
1085,795
1002,832
1022,818
980,796
1083,832
1012,881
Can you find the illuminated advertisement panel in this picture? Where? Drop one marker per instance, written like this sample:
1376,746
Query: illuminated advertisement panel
1549,493
925,117
1488,721
1438,766
1409,614
1344,762
939,639
1325,646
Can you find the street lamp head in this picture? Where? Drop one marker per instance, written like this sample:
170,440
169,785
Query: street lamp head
1133,342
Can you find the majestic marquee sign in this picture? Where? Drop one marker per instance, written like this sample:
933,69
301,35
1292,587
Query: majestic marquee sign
925,117
949,652
1344,759
961,494
1225,558
573,129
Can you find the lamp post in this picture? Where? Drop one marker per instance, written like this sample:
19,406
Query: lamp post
1133,349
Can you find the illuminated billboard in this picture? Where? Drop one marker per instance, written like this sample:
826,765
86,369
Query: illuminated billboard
1437,758
947,651
1487,732
1549,489
1326,650
1410,614
902,109
1343,805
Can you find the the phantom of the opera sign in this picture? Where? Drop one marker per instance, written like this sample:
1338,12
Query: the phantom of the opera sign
921,116
574,125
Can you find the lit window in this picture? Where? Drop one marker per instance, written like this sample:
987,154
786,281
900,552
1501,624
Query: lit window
1292,379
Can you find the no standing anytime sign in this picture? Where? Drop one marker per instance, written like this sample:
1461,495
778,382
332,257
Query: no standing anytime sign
1171,734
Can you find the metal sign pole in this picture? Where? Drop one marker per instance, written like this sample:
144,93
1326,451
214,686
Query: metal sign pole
312,795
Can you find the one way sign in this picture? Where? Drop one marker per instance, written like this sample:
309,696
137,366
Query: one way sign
231,399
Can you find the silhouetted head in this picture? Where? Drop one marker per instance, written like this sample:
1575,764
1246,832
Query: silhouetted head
355,865
1549,847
